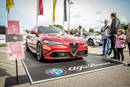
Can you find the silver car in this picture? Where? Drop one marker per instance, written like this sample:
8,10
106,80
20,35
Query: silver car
93,38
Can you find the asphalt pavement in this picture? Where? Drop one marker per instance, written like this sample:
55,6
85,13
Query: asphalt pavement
113,77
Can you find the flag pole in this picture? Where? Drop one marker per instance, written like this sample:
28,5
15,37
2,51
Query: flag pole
69,19
54,7
37,13
53,12
7,21
63,13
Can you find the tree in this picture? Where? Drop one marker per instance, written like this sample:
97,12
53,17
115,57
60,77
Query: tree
57,26
91,30
27,31
73,31
98,32
123,26
84,30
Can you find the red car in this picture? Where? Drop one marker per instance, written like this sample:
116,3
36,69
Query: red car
53,43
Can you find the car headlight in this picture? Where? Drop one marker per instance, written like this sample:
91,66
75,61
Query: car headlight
52,42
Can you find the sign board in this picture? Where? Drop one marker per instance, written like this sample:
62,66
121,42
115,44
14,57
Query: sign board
14,38
15,50
13,27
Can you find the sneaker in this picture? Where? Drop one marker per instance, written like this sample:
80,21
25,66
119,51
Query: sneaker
125,64
106,56
102,55
112,58
128,65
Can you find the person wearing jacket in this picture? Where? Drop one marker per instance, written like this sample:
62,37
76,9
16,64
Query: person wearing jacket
106,40
115,25
80,32
128,37
120,44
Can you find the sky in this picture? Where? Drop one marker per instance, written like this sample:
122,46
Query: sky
87,13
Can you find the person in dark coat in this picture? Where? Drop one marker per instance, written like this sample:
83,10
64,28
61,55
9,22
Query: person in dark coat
115,25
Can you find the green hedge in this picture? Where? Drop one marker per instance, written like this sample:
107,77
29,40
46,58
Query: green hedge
3,45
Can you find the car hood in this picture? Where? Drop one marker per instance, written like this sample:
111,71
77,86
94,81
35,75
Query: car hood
61,38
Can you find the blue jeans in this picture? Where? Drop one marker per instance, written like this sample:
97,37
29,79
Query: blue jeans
106,46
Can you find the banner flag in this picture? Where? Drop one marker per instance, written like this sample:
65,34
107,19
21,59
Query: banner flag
40,8
9,4
65,11
13,27
54,7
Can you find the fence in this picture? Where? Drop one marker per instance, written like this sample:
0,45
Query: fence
2,39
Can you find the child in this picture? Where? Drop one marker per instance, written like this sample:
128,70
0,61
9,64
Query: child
120,44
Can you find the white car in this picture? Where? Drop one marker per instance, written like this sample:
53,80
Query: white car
93,38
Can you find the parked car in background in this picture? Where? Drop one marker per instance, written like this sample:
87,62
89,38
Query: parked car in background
92,38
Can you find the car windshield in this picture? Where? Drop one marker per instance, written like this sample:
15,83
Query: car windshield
51,30
90,34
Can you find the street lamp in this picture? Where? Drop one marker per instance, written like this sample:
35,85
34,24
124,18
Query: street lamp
70,3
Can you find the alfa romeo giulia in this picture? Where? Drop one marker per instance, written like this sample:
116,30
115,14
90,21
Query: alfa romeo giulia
54,43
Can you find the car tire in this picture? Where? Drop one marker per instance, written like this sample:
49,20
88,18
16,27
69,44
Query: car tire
90,42
39,52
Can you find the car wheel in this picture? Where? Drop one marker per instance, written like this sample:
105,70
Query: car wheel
39,52
90,42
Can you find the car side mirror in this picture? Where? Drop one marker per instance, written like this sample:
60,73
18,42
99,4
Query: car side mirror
33,32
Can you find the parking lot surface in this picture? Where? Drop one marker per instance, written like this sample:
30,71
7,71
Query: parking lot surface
113,77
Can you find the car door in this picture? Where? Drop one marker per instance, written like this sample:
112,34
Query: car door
28,40
34,40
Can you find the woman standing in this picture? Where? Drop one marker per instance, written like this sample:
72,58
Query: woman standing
128,37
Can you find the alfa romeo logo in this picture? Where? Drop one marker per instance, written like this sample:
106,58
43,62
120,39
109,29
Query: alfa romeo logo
55,71
15,37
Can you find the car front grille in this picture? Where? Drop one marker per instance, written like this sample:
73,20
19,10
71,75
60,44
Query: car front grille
73,47
60,54
80,53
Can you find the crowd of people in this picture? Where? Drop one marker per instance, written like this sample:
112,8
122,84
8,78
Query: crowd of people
114,39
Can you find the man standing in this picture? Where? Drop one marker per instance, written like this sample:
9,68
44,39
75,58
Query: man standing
128,37
115,25
80,33
105,31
